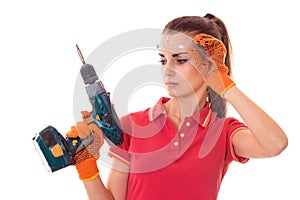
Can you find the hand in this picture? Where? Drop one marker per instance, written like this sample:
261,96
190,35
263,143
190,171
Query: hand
85,160
209,54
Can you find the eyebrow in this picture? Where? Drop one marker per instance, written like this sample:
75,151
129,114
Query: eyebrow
174,55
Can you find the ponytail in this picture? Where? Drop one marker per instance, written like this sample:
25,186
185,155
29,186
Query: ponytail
217,103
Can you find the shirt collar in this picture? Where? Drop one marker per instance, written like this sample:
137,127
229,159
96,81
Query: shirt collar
158,109
202,117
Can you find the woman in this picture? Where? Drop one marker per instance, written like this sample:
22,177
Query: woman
181,148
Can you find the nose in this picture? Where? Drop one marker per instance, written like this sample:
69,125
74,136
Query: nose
167,71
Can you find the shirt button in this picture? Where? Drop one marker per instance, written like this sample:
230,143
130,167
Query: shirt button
187,123
182,135
176,143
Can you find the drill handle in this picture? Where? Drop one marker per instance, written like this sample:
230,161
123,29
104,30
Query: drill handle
77,144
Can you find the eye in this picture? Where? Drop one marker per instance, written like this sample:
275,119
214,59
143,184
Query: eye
163,62
181,61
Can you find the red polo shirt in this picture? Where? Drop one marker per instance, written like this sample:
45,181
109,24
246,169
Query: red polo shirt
166,163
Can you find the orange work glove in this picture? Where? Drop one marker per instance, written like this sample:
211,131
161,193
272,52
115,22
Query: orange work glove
208,54
85,160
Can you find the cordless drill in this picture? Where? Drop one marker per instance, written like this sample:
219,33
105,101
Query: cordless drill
58,152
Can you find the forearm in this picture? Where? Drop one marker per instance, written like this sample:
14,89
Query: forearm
265,130
116,185
96,190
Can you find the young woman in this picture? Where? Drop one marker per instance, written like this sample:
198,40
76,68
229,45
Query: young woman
181,147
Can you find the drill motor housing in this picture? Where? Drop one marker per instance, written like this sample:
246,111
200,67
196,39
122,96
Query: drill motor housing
103,112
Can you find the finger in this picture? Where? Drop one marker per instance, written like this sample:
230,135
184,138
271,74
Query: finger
202,36
98,131
199,59
83,129
86,116
72,133
214,48
196,56
207,40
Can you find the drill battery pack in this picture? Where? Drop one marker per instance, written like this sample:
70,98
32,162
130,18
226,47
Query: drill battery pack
55,151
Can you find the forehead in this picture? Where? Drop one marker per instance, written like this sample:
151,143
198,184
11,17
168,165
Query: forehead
175,42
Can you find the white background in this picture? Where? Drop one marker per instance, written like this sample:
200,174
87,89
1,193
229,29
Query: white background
39,67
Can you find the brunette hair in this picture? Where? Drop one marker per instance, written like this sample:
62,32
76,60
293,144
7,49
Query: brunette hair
211,25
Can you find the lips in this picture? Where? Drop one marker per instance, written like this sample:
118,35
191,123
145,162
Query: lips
171,84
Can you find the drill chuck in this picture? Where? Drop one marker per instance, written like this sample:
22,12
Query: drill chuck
88,74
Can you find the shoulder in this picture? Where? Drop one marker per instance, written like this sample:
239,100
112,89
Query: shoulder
233,124
228,123
144,117
140,118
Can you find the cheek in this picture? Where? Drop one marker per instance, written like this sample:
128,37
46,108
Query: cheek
194,78
192,74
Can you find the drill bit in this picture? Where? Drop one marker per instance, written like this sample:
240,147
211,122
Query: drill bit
80,55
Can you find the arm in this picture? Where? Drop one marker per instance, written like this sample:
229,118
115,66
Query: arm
116,185
86,164
96,190
264,138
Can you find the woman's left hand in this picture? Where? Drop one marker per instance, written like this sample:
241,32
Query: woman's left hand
209,54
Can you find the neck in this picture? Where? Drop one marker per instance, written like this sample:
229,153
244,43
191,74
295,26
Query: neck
178,108
183,107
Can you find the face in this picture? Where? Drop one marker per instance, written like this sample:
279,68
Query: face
180,76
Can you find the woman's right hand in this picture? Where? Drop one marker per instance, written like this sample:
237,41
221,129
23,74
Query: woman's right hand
85,160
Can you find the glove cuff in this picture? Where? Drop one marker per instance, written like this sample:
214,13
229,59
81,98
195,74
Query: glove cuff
230,85
220,82
87,169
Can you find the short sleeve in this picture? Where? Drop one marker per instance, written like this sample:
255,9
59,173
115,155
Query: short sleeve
233,126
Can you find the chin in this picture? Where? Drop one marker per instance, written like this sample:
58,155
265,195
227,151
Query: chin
171,94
